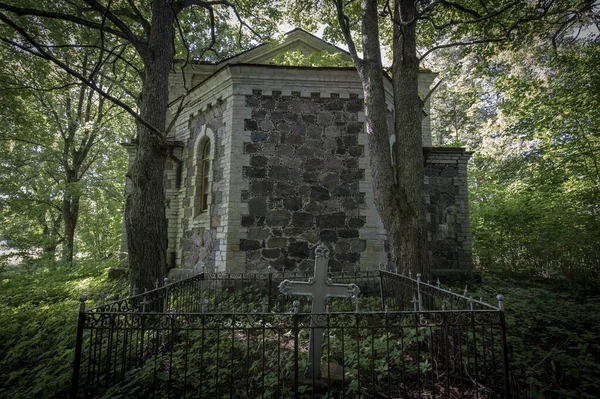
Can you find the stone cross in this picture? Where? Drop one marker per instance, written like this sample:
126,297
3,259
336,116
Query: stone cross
320,288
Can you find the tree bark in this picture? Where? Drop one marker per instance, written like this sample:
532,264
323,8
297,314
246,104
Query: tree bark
145,218
371,71
51,229
70,212
408,114
400,206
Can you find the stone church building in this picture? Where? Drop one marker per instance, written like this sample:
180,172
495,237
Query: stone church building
267,161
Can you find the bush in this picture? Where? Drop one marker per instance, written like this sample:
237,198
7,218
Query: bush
553,336
38,321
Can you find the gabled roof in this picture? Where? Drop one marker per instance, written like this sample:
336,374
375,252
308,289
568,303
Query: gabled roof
294,40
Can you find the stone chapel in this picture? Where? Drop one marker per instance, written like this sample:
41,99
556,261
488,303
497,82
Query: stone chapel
267,161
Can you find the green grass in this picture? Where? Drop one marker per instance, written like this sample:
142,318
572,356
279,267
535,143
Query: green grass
38,321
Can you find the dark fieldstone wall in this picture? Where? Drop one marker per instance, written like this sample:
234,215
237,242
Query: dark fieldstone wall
303,181
448,225
199,242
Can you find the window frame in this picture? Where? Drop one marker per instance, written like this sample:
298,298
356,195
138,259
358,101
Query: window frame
203,175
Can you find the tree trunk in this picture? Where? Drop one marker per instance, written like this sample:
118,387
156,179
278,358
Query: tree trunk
408,107
51,231
385,189
145,218
70,211
400,205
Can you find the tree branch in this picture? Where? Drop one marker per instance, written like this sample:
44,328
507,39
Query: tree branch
138,43
344,22
460,7
181,4
466,43
439,82
479,19
40,52
506,36
140,18
113,52
58,16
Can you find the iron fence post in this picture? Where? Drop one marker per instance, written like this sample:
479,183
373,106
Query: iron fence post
78,348
383,305
507,390
269,293
296,328
166,299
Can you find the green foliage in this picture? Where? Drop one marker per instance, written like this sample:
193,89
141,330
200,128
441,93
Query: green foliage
536,181
38,322
60,145
99,234
553,337
531,116
195,38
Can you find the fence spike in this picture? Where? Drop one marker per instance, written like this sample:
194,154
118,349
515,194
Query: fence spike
296,305
471,302
82,300
133,289
357,303
144,301
156,284
410,273
466,290
438,282
386,308
500,299
166,281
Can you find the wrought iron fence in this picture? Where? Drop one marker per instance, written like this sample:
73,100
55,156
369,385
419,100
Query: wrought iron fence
233,335
403,292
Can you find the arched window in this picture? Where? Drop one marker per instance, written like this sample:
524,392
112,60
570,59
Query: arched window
205,171
394,164
202,177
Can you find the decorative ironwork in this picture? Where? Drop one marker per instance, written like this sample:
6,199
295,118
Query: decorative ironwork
234,335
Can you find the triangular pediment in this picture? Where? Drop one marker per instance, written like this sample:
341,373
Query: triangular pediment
295,40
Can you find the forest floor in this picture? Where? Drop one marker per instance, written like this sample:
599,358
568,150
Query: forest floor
553,329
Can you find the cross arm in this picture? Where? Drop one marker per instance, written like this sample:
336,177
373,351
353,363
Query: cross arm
342,290
288,287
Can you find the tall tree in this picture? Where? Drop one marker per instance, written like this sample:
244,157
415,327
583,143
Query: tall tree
540,215
399,202
142,36
413,30
78,127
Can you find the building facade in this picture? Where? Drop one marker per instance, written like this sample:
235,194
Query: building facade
267,161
